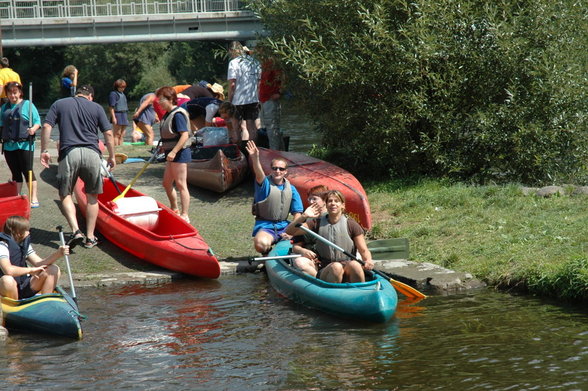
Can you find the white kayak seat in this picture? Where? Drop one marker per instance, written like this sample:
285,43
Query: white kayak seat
142,211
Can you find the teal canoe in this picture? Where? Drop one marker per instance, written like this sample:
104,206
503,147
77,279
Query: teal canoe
51,313
373,301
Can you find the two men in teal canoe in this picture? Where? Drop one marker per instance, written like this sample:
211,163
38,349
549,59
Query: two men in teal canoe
17,279
274,199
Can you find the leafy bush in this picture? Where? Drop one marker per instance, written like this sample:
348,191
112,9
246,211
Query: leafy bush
470,89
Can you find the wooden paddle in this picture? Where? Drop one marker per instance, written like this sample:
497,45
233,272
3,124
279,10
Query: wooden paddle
122,195
401,287
73,289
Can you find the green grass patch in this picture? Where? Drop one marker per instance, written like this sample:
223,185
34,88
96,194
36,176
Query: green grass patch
502,236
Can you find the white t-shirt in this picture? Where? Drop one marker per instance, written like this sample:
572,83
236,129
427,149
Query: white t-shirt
4,250
246,71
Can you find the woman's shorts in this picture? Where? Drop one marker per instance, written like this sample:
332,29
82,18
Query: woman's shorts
121,118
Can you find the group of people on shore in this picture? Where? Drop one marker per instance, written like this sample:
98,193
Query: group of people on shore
181,110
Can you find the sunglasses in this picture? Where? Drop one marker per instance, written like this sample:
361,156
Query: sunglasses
279,168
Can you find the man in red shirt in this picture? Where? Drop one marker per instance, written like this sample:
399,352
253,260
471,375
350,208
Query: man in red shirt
270,89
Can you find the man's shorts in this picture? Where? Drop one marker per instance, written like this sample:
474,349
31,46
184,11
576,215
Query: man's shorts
275,234
247,112
81,163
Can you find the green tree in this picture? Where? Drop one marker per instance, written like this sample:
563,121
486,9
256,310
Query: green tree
465,88
193,61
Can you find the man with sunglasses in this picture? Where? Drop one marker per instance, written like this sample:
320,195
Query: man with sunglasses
274,199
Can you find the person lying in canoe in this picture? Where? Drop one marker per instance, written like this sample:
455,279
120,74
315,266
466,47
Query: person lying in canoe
305,245
341,230
274,199
19,281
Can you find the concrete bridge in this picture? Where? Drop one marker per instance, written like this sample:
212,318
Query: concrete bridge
67,22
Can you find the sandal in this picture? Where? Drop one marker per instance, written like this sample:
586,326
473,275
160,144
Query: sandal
35,204
90,243
75,239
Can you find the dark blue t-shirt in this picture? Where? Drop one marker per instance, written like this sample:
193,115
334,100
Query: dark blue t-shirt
79,120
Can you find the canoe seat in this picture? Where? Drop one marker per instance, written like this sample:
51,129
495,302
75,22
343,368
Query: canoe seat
142,211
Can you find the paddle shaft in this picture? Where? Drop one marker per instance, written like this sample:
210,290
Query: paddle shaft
290,256
31,141
110,176
404,288
73,289
121,195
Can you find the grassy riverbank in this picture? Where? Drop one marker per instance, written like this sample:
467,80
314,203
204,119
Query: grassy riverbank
502,236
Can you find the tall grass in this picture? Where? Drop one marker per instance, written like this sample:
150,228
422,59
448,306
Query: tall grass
506,238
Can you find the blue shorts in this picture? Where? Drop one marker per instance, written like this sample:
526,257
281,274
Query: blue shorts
121,118
275,233
184,156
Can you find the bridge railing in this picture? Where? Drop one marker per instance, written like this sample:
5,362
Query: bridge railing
25,9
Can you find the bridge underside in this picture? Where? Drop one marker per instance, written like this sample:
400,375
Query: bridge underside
233,25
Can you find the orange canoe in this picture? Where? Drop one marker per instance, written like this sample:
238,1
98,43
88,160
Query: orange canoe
305,172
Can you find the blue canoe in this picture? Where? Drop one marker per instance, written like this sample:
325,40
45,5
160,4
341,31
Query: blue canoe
51,313
373,301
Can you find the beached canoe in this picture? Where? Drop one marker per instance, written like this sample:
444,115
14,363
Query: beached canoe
373,301
51,313
217,168
12,204
151,231
305,172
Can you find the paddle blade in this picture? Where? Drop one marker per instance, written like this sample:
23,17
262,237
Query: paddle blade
407,290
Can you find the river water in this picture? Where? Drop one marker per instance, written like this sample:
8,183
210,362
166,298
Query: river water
236,333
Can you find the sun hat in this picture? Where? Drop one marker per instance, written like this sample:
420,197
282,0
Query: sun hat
217,89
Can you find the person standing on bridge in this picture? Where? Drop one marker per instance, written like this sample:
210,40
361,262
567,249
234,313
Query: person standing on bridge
6,75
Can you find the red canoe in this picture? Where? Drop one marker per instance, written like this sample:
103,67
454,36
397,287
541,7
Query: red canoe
168,241
305,172
12,204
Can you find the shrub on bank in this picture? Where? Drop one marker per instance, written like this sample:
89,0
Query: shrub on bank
469,89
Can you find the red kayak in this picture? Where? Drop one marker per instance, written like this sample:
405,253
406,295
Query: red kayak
12,203
305,172
155,234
